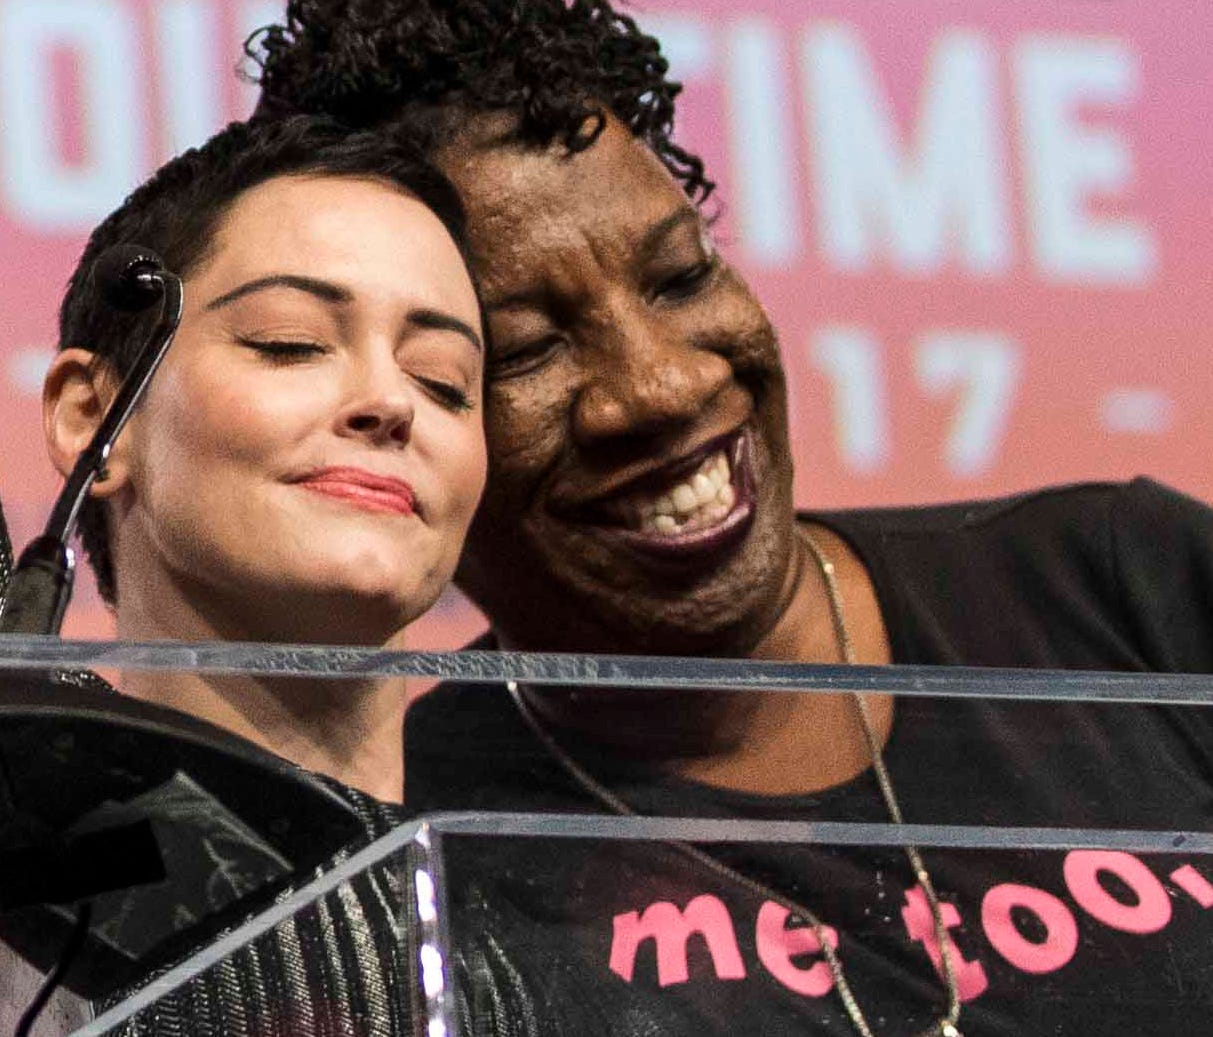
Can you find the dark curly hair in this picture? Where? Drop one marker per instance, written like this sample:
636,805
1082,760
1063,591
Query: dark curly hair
555,65
178,212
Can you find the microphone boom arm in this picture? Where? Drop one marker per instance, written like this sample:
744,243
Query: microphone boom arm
66,512
41,583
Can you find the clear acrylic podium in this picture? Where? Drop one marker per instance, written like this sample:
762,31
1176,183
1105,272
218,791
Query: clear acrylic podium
475,887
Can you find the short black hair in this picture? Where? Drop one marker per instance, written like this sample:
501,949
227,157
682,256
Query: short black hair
554,65
178,211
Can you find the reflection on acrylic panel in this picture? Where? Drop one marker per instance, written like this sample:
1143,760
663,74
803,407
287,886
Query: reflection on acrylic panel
984,240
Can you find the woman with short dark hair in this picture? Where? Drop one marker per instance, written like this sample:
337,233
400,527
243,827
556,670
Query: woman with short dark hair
302,469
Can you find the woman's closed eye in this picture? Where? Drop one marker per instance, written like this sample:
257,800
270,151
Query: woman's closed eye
284,351
446,394
687,281
511,360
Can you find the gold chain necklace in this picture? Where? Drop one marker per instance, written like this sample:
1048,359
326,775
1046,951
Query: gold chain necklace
945,1025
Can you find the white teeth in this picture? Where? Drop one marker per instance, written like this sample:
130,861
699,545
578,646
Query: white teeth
704,499
684,499
705,489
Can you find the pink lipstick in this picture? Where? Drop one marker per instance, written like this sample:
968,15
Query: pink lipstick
362,489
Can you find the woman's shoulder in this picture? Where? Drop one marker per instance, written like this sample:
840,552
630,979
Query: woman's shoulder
1036,508
1117,573
1082,521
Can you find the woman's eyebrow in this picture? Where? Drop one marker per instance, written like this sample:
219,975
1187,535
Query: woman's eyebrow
329,292
323,290
652,238
436,319
655,235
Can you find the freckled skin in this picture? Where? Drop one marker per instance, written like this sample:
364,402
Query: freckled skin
639,376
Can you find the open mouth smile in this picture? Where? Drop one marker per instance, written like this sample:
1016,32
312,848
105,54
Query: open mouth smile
703,504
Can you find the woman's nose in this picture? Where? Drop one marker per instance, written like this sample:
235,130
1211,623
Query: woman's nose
380,406
645,383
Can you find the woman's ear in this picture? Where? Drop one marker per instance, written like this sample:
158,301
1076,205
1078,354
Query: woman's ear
75,395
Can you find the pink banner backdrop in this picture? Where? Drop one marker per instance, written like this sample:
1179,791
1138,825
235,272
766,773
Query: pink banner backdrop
984,231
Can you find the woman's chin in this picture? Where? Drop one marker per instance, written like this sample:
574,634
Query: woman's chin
287,601
360,613
380,610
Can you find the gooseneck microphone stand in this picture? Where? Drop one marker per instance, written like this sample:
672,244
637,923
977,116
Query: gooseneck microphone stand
130,278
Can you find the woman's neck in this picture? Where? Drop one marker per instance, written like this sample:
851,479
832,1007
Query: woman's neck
349,730
772,743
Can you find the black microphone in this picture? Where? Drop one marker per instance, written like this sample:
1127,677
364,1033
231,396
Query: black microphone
129,277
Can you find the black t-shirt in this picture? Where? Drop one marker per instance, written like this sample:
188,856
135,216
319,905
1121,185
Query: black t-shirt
582,938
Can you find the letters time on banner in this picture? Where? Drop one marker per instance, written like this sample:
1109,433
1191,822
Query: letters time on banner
985,241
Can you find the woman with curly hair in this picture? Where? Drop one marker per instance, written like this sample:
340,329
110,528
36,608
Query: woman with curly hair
639,499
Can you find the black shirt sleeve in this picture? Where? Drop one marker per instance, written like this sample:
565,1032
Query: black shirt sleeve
1162,543
1100,576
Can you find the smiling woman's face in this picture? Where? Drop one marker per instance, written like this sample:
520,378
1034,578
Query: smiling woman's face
309,456
639,492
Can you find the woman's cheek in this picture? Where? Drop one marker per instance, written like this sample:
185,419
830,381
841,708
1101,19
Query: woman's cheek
525,423
254,423
459,462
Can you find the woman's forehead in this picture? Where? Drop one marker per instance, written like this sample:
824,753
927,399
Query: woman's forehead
527,204
367,237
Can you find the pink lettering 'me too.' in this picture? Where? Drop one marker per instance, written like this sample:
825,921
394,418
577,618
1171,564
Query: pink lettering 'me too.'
670,929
